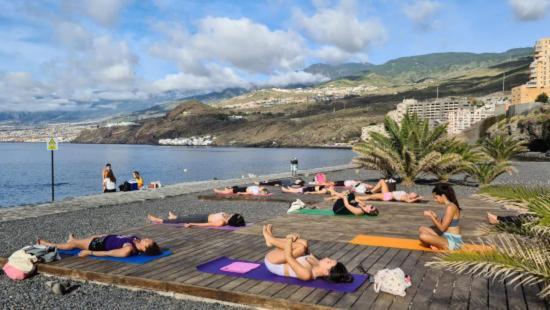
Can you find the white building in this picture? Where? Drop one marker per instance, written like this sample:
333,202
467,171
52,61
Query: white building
435,111
464,118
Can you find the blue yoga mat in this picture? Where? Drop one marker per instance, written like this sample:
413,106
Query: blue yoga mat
134,259
261,273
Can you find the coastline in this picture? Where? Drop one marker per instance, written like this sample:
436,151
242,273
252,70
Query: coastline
77,203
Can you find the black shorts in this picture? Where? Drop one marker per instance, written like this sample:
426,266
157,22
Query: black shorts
238,189
97,244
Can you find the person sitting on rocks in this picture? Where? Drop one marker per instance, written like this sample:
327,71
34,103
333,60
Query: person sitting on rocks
241,190
382,192
108,245
201,220
291,258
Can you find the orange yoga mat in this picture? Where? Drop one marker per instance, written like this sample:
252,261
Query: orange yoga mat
407,244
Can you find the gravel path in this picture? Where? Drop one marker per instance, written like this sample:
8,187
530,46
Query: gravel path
33,294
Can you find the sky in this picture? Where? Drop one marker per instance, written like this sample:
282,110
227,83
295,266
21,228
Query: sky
62,54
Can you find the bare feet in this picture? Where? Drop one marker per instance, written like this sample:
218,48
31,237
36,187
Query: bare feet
434,248
44,242
267,235
172,216
492,218
71,238
154,219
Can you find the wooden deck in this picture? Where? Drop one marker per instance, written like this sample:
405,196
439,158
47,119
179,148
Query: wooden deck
329,236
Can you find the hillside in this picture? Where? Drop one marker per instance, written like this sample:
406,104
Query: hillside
289,118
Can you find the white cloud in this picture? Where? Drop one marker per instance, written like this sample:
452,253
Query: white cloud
73,35
241,43
530,9
334,55
104,12
217,78
422,13
296,77
340,27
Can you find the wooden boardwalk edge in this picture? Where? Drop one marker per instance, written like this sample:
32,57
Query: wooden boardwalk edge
174,287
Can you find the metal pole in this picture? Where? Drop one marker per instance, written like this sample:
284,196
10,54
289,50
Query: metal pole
53,190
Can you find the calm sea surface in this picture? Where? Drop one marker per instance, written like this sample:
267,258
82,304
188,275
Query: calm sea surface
25,167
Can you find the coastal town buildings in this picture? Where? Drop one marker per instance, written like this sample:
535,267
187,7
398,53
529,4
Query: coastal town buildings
434,111
539,75
463,118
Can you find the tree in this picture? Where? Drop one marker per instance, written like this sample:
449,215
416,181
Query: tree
406,149
501,148
542,98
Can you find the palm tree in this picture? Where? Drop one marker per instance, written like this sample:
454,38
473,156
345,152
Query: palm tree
466,157
501,148
520,252
486,172
406,149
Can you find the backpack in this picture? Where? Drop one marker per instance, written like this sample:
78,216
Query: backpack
320,178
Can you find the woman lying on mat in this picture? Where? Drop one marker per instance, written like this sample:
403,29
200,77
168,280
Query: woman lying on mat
318,189
346,204
291,258
383,193
446,233
108,245
287,182
201,220
242,190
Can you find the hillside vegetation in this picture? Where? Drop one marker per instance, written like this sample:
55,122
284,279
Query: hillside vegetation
292,120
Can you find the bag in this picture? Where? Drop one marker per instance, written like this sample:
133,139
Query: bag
14,273
295,206
391,281
125,187
320,178
23,261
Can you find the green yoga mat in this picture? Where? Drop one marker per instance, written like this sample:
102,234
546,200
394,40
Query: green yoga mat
329,212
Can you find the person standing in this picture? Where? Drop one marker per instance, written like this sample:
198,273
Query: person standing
108,179
294,166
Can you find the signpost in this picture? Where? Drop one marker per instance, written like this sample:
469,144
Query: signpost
52,146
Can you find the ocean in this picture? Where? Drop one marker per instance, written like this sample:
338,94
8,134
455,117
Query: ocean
25,171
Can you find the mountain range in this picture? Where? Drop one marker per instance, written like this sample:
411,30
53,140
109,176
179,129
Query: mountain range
400,71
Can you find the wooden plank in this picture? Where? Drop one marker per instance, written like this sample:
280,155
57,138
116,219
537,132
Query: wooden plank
461,293
497,295
531,298
424,294
515,297
479,294
443,292
417,277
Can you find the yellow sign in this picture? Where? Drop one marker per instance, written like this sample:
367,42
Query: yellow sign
52,145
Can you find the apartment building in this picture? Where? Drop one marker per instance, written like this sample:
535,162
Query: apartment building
435,111
463,118
539,75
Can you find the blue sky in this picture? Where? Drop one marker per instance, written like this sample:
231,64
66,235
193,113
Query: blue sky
58,54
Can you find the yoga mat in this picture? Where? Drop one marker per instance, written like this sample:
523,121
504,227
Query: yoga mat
407,244
329,212
261,273
134,259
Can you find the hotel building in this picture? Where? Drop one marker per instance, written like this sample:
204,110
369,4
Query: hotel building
539,75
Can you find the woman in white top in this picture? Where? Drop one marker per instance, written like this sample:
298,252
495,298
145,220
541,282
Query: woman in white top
291,258
109,180
382,192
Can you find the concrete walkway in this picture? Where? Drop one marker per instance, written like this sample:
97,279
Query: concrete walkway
103,200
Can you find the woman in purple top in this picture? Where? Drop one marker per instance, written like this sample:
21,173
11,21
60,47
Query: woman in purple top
108,245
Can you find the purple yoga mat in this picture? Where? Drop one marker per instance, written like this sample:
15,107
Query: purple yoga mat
261,273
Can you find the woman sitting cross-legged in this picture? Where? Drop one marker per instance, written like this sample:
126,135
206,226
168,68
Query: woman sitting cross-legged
241,190
382,192
201,220
108,245
318,189
446,233
346,204
291,258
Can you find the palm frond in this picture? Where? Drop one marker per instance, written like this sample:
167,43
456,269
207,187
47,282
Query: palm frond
512,259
